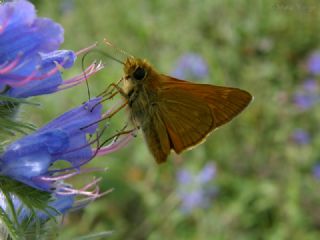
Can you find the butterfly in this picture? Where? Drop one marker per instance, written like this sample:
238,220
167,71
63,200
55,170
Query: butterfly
176,114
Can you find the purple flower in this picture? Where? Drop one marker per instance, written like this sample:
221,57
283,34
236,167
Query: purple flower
310,85
301,137
195,190
184,176
313,63
307,95
191,66
65,138
193,200
207,173
30,61
304,101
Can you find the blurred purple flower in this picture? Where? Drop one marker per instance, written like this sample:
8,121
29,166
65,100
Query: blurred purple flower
30,62
307,95
207,173
194,189
193,200
310,85
300,136
184,176
191,66
313,63
316,171
304,101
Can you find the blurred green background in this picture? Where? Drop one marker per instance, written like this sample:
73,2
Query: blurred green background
255,178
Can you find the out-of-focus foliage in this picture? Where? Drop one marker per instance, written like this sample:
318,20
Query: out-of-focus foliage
266,181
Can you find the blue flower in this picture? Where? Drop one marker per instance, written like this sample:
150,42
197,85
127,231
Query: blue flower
313,63
48,78
65,138
23,36
30,61
191,66
195,190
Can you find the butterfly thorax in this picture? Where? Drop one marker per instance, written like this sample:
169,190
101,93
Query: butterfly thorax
139,88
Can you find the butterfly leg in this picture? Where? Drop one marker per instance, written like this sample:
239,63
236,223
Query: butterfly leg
112,113
124,132
116,136
106,115
109,94
107,91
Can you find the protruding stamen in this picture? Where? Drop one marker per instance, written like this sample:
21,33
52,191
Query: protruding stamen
68,175
65,190
87,49
92,69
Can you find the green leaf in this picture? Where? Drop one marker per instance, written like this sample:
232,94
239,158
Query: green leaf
14,234
9,125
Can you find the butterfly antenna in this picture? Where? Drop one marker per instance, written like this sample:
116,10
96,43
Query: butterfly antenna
85,75
106,41
83,64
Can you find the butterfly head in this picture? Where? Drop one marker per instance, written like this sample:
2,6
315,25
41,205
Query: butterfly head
136,69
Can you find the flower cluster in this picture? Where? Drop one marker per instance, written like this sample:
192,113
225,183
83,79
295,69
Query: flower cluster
65,138
30,61
308,93
30,65
305,98
195,189
31,159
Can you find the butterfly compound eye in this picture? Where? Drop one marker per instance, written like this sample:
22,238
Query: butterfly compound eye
139,73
